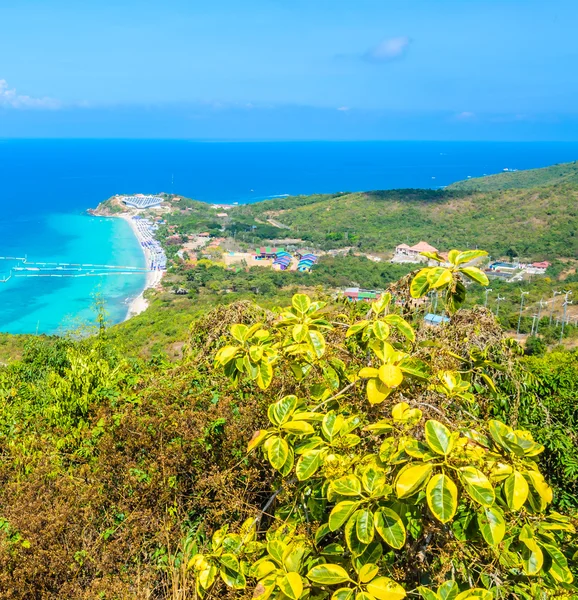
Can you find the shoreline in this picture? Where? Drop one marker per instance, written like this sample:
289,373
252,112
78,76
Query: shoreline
153,278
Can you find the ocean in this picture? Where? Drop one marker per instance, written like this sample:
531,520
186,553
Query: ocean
46,186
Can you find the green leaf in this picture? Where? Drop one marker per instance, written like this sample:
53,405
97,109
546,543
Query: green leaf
468,255
341,512
231,572
475,594
291,585
265,374
262,568
477,485
427,594
384,426
438,437
401,325
384,588
415,367
277,452
373,479
420,285
348,485
226,354
439,277
239,332
307,464
475,274
280,411
343,594
448,590
317,342
328,574
207,576
559,567
301,303
331,424
411,479
367,572
371,554
492,525
516,490
356,328
532,557
355,545
289,462
381,330
364,526
390,527
298,427
299,332
442,497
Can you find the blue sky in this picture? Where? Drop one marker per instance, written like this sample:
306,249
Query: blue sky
290,69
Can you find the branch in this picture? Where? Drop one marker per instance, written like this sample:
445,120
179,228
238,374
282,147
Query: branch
340,393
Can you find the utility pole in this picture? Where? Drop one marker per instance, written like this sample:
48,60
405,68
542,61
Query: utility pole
488,290
521,309
542,304
534,317
498,300
566,302
554,294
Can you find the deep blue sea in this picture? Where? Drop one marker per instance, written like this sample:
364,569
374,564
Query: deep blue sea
47,185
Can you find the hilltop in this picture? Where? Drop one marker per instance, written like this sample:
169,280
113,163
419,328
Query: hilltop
536,223
565,173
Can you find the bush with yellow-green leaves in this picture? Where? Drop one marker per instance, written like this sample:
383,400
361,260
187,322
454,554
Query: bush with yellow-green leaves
375,501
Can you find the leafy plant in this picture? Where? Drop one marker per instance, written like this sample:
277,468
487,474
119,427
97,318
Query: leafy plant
372,507
450,278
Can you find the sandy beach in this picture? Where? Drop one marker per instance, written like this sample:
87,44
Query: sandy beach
153,278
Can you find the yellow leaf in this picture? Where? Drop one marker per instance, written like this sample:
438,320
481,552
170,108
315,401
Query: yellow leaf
390,375
376,391
384,588
411,479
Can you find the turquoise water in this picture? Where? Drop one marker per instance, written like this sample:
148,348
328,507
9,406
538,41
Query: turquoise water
47,185
60,304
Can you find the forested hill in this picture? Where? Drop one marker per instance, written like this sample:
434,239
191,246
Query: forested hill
566,173
537,224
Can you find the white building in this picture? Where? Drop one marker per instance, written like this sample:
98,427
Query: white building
141,201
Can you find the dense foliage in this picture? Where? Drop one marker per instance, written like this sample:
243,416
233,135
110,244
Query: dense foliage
360,496
536,224
566,173
118,473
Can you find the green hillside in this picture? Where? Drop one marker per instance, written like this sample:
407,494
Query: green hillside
565,173
535,224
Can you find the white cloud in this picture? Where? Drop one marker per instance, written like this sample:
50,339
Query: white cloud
388,49
9,98
465,116
343,108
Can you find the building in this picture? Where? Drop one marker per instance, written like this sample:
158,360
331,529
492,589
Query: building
415,250
538,268
306,262
405,253
360,295
282,260
267,252
141,201
436,320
